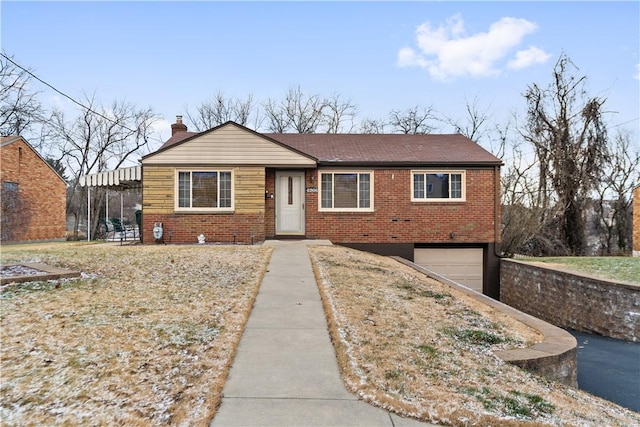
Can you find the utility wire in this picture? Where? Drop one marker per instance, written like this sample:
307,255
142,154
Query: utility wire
65,95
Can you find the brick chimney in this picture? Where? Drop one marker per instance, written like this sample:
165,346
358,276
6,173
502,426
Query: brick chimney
178,126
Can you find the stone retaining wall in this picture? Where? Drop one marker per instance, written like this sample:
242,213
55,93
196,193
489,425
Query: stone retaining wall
572,301
556,357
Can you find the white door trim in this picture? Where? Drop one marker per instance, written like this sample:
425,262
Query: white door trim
290,202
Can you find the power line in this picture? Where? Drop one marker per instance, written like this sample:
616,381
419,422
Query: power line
624,123
67,96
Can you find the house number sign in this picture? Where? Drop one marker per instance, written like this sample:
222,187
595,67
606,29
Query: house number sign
312,189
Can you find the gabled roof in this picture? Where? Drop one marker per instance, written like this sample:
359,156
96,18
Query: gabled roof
183,137
228,144
388,148
178,137
367,149
8,140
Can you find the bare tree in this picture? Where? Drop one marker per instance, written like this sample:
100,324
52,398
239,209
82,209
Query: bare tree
97,140
276,117
339,115
304,111
613,204
414,120
222,109
59,167
297,112
566,129
370,125
521,220
19,106
474,127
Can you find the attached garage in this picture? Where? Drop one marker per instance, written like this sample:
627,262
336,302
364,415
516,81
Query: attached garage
462,265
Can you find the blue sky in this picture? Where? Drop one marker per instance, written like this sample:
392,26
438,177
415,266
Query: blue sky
381,55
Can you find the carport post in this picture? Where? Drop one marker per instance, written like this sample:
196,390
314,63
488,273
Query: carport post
106,214
121,210
88,214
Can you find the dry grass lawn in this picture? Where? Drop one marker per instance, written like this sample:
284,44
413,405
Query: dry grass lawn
412,345
146,337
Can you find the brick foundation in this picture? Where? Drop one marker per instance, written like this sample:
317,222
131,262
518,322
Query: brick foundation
218,228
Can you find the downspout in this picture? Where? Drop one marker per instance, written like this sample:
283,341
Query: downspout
497,244
497,218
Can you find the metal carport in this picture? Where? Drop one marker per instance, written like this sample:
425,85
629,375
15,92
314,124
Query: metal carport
118,179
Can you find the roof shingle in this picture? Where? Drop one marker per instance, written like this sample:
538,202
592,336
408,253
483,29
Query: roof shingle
376,148
387,148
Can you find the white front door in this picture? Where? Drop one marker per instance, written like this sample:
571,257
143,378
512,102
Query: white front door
290,198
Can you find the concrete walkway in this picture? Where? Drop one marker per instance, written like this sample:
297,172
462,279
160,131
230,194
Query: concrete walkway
285,372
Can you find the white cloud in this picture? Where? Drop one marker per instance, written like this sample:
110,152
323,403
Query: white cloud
526,58
447,51
637,76
407,57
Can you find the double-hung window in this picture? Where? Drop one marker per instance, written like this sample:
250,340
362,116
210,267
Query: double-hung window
204,190
437,186
346,191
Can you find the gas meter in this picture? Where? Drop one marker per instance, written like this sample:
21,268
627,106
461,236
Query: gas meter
157,230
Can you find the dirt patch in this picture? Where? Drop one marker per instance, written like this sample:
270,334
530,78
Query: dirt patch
31,271
422,349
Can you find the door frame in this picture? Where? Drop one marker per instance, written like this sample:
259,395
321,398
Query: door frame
301,206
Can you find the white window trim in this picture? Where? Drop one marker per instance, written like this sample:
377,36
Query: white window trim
177,207
349,171
440,171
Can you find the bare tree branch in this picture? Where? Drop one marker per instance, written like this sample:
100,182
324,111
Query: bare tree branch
413,120
95,142
338,114
613,203
19,106
222,109
369,125
566,129
474,127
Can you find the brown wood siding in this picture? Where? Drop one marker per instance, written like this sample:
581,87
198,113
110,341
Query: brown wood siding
158,191
158,183
249,189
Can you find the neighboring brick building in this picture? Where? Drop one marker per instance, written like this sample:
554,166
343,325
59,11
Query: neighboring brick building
434,199
636,221
33,194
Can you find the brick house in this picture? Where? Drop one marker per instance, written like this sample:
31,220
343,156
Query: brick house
433,199
636,221
33,194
